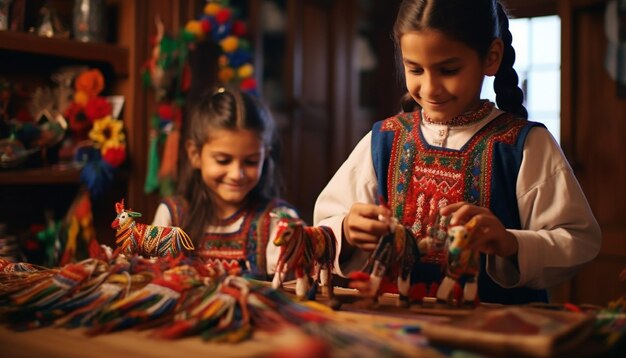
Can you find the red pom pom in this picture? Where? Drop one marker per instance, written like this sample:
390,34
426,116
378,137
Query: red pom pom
205,25
248,84
165,111
239,28
223,16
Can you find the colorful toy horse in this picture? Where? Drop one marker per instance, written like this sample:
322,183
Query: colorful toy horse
397,252
147,240
462,262
307,251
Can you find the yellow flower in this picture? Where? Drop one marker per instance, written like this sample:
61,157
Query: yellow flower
107,133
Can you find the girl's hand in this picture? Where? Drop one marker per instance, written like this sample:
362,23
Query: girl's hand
362,227
489,236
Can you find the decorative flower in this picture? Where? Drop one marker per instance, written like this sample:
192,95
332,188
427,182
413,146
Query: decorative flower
115,156
107,132
90,82
97,107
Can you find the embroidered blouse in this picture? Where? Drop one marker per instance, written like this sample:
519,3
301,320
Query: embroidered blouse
244,240
558,232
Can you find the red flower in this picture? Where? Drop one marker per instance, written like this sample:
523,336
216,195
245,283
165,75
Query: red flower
115,156
97,107
79,122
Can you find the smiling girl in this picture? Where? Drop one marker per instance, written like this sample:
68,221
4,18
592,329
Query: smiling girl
450,153
229,186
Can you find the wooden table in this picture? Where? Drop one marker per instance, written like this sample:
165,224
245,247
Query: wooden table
60,342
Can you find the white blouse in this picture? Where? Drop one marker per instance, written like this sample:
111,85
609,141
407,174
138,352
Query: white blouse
559,232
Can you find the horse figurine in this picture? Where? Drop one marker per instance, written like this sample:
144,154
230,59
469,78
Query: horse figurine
147,240
307,251
397,250
462,262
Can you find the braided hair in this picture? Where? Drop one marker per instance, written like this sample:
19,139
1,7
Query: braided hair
475,23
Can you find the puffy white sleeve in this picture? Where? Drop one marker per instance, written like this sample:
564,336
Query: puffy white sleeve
272,252
559,232
162,217
354,182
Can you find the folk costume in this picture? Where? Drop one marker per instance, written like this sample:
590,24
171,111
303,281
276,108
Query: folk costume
489,158
242,241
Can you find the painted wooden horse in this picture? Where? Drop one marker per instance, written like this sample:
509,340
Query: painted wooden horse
462,262
306,251
147,240
396,252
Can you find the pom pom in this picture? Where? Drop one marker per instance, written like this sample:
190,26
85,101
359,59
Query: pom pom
165,111
195,28
223,15
226,74
245,71
248,84
205,25
239,28
229,44
212,9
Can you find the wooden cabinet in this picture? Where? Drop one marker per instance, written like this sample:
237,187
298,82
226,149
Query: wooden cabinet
26,193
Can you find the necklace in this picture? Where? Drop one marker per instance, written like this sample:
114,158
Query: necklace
466,118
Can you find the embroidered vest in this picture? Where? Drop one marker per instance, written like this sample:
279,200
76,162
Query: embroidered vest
416,179
244,247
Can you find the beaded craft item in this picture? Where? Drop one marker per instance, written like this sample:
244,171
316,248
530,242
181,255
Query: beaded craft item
147,240
307,251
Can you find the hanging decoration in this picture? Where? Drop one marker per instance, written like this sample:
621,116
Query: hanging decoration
168,73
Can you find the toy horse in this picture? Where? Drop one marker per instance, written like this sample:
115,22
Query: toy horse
147,240
396,251
307,251
462,262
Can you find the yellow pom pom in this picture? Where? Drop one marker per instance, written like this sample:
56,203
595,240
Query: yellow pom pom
245,71
195,27
226,74
229,44
212,8
81,98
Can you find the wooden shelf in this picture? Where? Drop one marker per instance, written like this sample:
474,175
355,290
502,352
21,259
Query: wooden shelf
116,56
38,176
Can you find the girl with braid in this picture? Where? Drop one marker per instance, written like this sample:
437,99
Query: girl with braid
450,154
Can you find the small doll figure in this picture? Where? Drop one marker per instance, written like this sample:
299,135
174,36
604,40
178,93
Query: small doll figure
463,262
147,240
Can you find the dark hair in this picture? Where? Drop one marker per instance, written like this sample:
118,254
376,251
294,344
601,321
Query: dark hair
225,108
475,23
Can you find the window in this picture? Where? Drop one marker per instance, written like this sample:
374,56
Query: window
537,43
